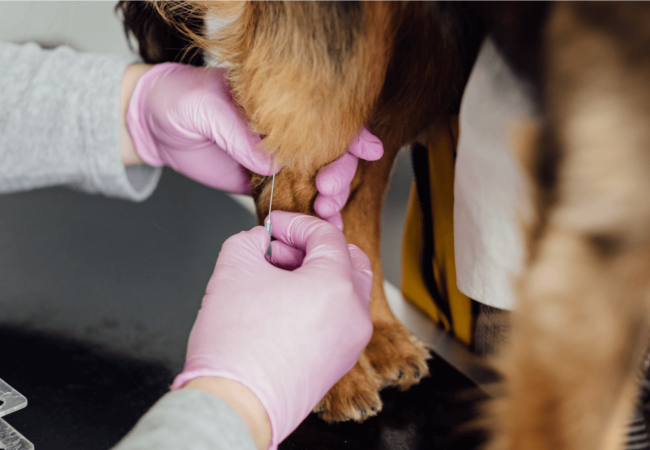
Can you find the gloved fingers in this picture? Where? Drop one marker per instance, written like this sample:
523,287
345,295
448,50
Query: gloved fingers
367,146
361,264
337,221
360,260
228,128
252,155
328,206
245,246
285,256
211,166
317,238
335,177
245,147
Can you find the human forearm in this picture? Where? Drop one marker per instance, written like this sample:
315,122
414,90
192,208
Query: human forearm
131,76
243,401
189,418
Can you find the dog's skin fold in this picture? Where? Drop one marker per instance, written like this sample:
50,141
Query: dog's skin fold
309,75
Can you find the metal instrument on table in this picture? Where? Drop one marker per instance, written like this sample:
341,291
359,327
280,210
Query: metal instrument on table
11,401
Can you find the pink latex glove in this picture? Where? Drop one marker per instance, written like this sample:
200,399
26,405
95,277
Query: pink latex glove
333,181
183,117
286,335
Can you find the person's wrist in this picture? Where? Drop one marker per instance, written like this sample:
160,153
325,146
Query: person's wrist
243,401
131,76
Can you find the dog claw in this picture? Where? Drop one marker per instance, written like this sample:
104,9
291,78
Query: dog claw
363,412
400,374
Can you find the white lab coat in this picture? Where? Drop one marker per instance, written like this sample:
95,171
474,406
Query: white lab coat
489,189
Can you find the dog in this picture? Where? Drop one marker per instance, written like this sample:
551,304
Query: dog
309,75
344,72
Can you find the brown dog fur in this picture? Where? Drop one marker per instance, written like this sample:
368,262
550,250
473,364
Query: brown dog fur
581,329
309,75
330,99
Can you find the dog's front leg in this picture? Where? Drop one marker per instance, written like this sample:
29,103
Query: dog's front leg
356,395
393,356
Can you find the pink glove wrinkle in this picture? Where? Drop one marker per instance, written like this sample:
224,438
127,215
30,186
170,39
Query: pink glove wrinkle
288,334
183,117
333,181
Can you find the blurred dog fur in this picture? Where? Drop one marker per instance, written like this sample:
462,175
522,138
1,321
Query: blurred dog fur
309,75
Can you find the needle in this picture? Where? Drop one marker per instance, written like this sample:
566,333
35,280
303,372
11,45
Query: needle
268,225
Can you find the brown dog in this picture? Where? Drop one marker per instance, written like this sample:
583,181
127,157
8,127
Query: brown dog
309,75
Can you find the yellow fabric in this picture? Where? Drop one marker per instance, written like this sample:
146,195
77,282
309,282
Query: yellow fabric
442,151
413,286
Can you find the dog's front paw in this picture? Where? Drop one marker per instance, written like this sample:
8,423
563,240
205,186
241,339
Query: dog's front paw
354,397
397,356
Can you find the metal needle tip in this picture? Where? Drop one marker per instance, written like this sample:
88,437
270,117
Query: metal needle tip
268,225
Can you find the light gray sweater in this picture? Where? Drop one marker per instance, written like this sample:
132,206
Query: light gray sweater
59,125
189,419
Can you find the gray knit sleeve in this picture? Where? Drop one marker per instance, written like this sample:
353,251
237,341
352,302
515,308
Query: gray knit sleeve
59,123
189,419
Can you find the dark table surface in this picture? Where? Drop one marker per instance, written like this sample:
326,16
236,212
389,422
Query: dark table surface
81,396
97,299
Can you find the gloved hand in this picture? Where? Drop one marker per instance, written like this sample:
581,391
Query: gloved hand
287,335
183,117
333,181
